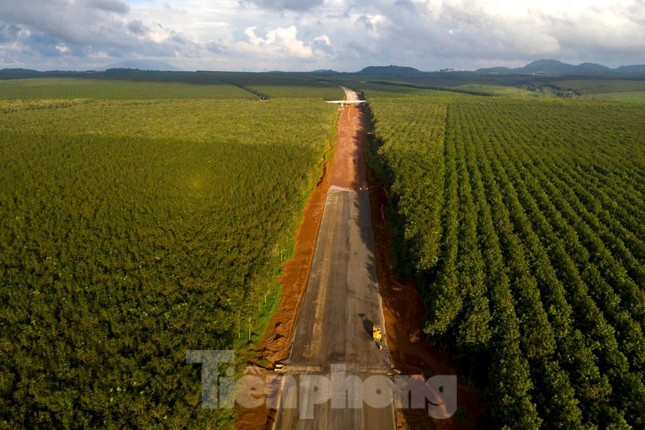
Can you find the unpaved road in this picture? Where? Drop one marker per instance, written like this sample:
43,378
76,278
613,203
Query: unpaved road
341,302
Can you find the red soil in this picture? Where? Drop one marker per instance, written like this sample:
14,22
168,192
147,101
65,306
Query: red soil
349,168
402,306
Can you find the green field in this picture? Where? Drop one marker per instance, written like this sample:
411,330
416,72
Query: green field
522,221
143,214
137,221
283,85
147,86
66,88
499,90
601,86
628,96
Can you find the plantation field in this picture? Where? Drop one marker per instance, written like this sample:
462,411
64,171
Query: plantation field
523,221
138,85
628,96
69,88
133,230
283,85
601,86
499,90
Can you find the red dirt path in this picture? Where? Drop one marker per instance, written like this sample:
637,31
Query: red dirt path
349,168
402,306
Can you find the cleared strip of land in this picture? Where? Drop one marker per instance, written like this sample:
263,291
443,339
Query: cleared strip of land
342,302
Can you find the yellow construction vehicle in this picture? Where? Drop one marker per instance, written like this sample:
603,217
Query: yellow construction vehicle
376,335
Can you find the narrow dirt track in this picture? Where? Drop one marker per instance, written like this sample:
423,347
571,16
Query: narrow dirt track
341,303
349,168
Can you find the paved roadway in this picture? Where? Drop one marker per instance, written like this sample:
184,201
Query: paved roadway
341,303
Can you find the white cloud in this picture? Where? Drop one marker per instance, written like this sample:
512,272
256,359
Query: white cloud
374,24
445,31
279,42
344,34
62,48
280,5
322,45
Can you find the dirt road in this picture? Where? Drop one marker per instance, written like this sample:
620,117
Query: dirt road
341,302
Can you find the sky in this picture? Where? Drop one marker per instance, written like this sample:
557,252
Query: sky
304,35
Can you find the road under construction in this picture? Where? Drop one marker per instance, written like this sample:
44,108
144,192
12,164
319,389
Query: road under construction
341,303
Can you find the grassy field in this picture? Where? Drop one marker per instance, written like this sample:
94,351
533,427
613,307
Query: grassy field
499,90
626,97
69,88
284,85
137,224
145,214
522,221
145,86
601,86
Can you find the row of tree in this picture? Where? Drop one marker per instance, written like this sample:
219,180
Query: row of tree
132,232
532,267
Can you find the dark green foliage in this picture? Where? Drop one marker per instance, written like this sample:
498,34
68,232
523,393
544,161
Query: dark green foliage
525,221
138,85
132,231
67,88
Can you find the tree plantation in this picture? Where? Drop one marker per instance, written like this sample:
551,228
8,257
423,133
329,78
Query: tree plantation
145,214
524,223
134,230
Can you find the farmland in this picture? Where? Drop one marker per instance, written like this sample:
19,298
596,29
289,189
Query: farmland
522,221
137,221
138,85
145,214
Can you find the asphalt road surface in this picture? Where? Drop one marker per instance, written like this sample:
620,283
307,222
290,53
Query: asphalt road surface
341,304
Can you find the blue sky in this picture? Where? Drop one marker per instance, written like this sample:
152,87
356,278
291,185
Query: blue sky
345,35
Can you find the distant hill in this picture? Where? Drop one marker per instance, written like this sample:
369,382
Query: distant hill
546,66
555,67
325,72
143,65
496,70
632,69
389,70
592,68
18,73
